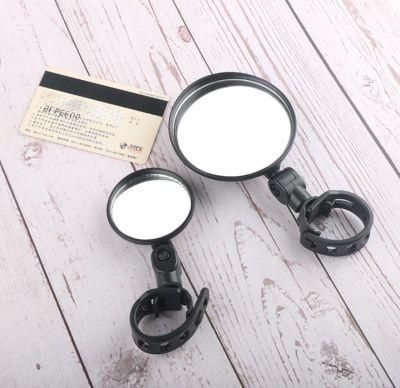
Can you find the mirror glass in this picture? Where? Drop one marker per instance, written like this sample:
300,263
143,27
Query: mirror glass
234,131
152,208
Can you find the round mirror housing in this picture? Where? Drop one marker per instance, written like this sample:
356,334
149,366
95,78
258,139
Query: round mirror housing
150,206
232,126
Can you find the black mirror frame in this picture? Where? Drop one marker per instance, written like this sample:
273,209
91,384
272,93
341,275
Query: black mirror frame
139,177
219,80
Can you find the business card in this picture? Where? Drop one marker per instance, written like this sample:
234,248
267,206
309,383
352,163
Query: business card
95,115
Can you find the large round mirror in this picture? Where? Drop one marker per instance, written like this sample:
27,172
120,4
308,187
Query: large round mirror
150,205
232,126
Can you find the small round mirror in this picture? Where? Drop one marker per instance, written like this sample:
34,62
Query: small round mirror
232,126
150,205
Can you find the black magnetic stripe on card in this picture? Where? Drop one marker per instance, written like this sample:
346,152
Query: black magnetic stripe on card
103,93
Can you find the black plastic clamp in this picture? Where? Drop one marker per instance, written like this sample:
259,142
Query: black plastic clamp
323,205
290,189
168,296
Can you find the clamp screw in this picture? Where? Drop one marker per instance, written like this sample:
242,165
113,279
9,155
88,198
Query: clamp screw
163,255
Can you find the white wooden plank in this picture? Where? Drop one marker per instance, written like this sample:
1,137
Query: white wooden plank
31,326
333,150
361,43
274,307
62,193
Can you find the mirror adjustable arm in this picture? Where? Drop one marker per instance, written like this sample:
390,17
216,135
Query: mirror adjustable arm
290,189
168,296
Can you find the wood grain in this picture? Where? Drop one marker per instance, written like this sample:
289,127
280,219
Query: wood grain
31,327
273,305
360,42
333,150
62,193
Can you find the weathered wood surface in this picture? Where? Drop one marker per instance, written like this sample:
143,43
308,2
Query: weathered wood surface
280,316
360,41
333,149
35,344
62,194
235,226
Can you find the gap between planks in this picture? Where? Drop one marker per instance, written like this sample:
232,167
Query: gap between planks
291,212
88,73
342,88
47,278
135,169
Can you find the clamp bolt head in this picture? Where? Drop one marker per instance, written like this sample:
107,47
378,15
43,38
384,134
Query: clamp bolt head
163,255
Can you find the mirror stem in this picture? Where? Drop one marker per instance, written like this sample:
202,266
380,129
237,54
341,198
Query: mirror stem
166,264
289,188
